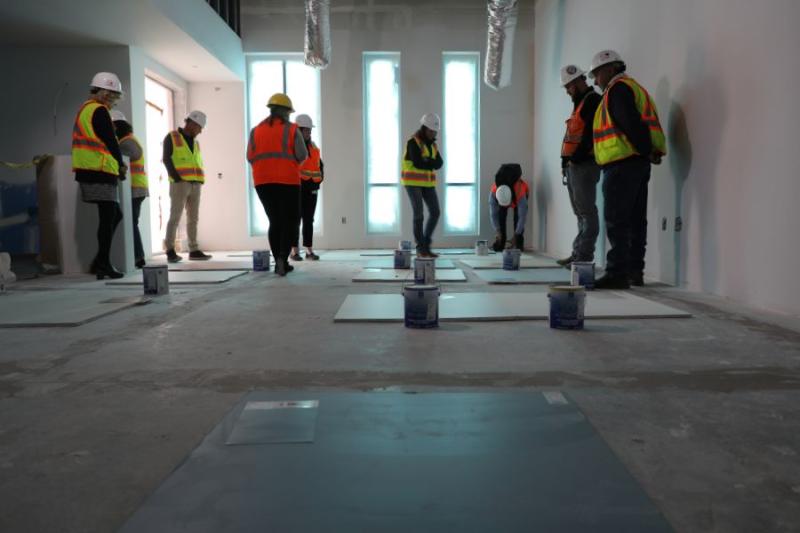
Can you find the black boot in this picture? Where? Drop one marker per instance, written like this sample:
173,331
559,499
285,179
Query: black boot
106,270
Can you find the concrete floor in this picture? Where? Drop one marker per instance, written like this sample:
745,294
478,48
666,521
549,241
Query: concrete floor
702,410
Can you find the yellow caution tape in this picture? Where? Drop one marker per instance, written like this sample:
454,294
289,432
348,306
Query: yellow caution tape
34,162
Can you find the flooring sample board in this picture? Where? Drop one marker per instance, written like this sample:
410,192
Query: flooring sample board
509,462
489,306
63,308
198,266
389,263
377,254
376,274
205,277
275,422
526,261
533,276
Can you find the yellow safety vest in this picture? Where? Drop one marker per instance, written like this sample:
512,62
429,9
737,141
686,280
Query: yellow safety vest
138,173
188,163
89,152
414,176
610,144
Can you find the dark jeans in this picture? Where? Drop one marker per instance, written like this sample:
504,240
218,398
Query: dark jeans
138,249
502,214
418,195
282,206
110,215
308,206
625,191
582,186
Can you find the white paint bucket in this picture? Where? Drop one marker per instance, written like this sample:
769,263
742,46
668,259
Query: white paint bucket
155,279
583,274
481,247
511,259
424,271
567,304
421,306
261,260
402,258
404,245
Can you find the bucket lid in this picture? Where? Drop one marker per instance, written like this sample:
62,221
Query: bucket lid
421,287
567,288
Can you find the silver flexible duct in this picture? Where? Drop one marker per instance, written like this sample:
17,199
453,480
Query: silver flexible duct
318,33
500,43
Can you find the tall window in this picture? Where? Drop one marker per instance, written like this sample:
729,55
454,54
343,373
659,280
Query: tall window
382,140
461,141
281,73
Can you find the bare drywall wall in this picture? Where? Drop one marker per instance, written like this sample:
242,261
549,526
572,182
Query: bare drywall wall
722,74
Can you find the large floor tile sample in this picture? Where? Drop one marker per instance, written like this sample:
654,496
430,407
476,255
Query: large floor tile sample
207,277
530,276
389,263
406,275
65,308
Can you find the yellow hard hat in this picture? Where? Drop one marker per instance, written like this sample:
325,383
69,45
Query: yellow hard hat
281,100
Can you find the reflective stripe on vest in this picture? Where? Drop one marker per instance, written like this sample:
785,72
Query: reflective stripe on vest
271,153
611,144
89,152
413,176
575,128
137,166
188,163
310,168
520,190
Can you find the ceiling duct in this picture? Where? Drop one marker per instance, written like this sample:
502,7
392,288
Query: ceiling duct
500,43
318,33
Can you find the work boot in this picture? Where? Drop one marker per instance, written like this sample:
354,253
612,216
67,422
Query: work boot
289,268
296,257
311,256
566,261
612,282
637,280
105,270
280,266
197,255
172,257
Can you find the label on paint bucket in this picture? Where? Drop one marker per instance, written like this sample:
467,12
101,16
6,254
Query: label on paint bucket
421,306
402,258
481,247
424,271
261,260
155,279
583,274
511,259
567,305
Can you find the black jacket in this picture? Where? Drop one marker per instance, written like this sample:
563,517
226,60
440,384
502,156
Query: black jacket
104,129
414,154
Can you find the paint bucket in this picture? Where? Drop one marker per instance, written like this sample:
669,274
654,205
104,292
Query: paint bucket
481,247
424,271
566,306
261,260
155,279
583,274
402,258
511,259
421,306
404,245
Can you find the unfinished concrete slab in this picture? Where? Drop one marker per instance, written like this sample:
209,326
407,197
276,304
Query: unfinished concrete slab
531,276
389,263
60,308
496,262
185,278
497,461
377,274
483,306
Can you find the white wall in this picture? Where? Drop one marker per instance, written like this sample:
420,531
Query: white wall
724,77
420,35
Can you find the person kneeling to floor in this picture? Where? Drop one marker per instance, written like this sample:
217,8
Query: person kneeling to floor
509,191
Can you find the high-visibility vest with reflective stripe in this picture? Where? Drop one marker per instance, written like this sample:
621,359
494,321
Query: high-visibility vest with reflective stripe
271,153
89,152
610,144
137,167
520,191
188,163
310,168
411,175
575,128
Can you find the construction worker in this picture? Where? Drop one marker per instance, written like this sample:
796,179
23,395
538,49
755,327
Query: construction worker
420,162
509,191
130,146
275,150
311,175
627,138
98,166
184,165
578,167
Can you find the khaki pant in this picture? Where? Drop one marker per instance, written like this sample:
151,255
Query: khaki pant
184,194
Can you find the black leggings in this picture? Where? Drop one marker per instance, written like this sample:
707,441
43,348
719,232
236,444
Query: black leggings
282,206
308,206
110,216
138,249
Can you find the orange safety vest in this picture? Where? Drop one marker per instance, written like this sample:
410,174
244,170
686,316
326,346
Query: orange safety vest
520,191
270,152
310,168
89,152
575,128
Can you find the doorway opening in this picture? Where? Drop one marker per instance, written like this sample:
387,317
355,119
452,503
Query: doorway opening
159,101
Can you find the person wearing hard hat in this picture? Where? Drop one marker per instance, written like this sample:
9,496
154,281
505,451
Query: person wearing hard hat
275,150
98,165
311,175
627,138
578,167
130,146
418,175
509,191
184,165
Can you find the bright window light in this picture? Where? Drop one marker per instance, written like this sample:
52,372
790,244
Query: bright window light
383,205
459,204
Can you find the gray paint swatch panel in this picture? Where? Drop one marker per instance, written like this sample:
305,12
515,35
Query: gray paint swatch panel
389,263
532,276
64,308
406,275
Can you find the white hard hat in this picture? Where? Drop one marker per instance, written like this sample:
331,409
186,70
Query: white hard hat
118,115
603,58
431,121
570,73
304,121
503,195
108,81
197,117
